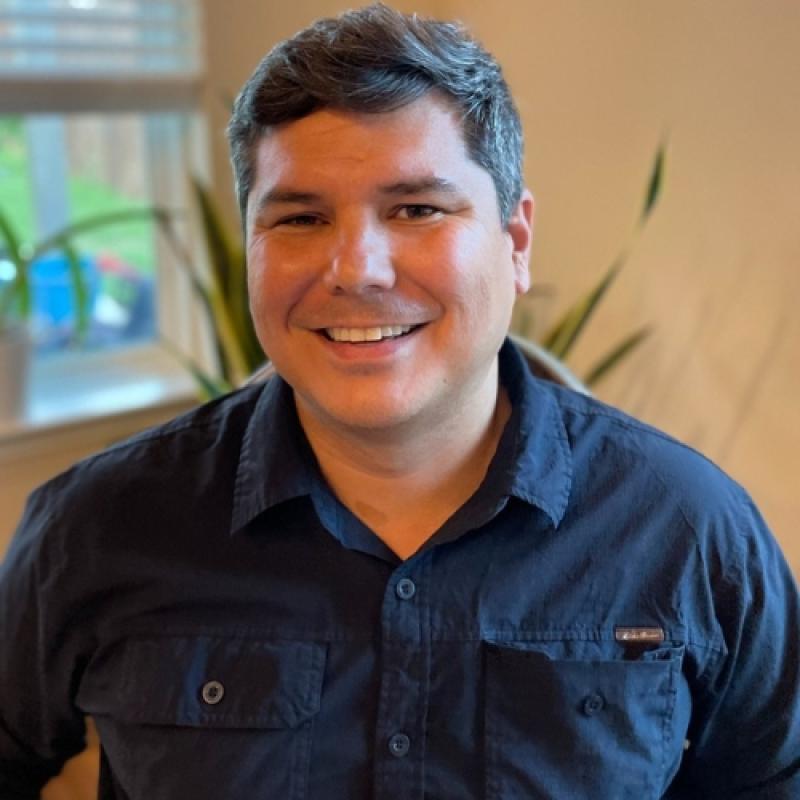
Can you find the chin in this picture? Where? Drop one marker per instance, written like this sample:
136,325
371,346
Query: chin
368,416
376,410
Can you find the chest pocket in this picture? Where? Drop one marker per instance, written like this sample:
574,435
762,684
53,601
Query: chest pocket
580,729
206,717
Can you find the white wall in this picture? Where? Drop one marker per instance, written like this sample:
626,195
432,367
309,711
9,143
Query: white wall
717,273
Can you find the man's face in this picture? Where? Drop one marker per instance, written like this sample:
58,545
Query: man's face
381,280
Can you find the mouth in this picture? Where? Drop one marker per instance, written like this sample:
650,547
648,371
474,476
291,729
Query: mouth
377,333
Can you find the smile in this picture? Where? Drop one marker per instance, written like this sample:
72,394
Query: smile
373,334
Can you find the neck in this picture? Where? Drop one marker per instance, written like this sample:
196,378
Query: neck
405,484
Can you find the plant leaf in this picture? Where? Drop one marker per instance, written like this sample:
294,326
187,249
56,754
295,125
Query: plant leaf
563,335
203,292
221,251
226,289
63,240
164,221
20,291
64,236
9,237
654,184
80,290
209,387
616,355
240,311
235,339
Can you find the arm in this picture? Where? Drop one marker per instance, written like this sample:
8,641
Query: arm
745,737
39,652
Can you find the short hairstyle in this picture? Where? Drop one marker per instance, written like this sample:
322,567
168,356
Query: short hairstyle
373,60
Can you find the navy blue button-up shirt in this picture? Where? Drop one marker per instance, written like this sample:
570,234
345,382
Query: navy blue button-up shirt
607,617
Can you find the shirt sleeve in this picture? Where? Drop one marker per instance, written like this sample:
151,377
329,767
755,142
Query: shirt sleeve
40,651
745,738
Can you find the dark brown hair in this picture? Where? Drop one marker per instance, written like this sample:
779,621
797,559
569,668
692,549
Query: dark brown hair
373,60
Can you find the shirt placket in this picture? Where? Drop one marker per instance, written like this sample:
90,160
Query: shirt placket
402,707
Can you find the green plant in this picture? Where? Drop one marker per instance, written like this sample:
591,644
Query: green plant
562,337
222,292
15,294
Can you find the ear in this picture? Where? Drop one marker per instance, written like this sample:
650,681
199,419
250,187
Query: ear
520,232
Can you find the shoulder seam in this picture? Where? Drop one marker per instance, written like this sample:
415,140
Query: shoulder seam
628,423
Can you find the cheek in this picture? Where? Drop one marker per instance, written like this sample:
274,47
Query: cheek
447,264
260,293
274,286
475,273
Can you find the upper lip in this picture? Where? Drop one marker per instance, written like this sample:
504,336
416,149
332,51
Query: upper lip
381,324
367,325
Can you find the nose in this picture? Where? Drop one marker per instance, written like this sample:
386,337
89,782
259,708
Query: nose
361,259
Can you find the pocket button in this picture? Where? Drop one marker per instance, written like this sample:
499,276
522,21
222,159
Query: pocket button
212,692
593,704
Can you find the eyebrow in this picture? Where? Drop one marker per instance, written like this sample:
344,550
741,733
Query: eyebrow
420,186
278,195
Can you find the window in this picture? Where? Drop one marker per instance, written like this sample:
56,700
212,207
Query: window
98,113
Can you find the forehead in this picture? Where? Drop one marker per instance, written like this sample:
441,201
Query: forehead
423,137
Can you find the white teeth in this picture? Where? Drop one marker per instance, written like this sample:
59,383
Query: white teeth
374,334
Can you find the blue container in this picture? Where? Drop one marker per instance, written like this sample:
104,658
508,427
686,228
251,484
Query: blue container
52,289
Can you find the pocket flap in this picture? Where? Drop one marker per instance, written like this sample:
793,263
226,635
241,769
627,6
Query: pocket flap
623,684
203,681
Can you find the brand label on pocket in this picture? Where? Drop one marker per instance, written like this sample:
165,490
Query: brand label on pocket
645,635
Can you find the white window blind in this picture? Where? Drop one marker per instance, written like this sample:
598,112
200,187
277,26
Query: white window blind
114,54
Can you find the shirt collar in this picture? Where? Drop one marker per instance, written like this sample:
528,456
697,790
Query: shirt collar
534,457
276,463
533,460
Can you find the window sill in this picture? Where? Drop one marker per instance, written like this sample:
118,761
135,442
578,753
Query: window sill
72,395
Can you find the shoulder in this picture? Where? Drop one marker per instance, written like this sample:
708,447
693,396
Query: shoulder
163,484
693,532
156,460
613,451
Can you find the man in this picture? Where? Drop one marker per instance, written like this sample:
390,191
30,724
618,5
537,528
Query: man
404,567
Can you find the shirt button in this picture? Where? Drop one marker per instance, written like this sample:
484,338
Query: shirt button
593,704
399,745
406,588
212,692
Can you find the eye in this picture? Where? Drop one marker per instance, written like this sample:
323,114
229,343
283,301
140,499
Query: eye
417,211
300,220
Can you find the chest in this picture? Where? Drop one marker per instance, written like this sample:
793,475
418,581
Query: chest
491,667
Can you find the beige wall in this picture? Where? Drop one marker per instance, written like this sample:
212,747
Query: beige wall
717,273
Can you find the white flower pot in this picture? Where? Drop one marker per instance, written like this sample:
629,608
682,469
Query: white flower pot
15,357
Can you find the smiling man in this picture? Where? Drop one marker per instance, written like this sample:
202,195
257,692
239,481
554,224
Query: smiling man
403,566
382,278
